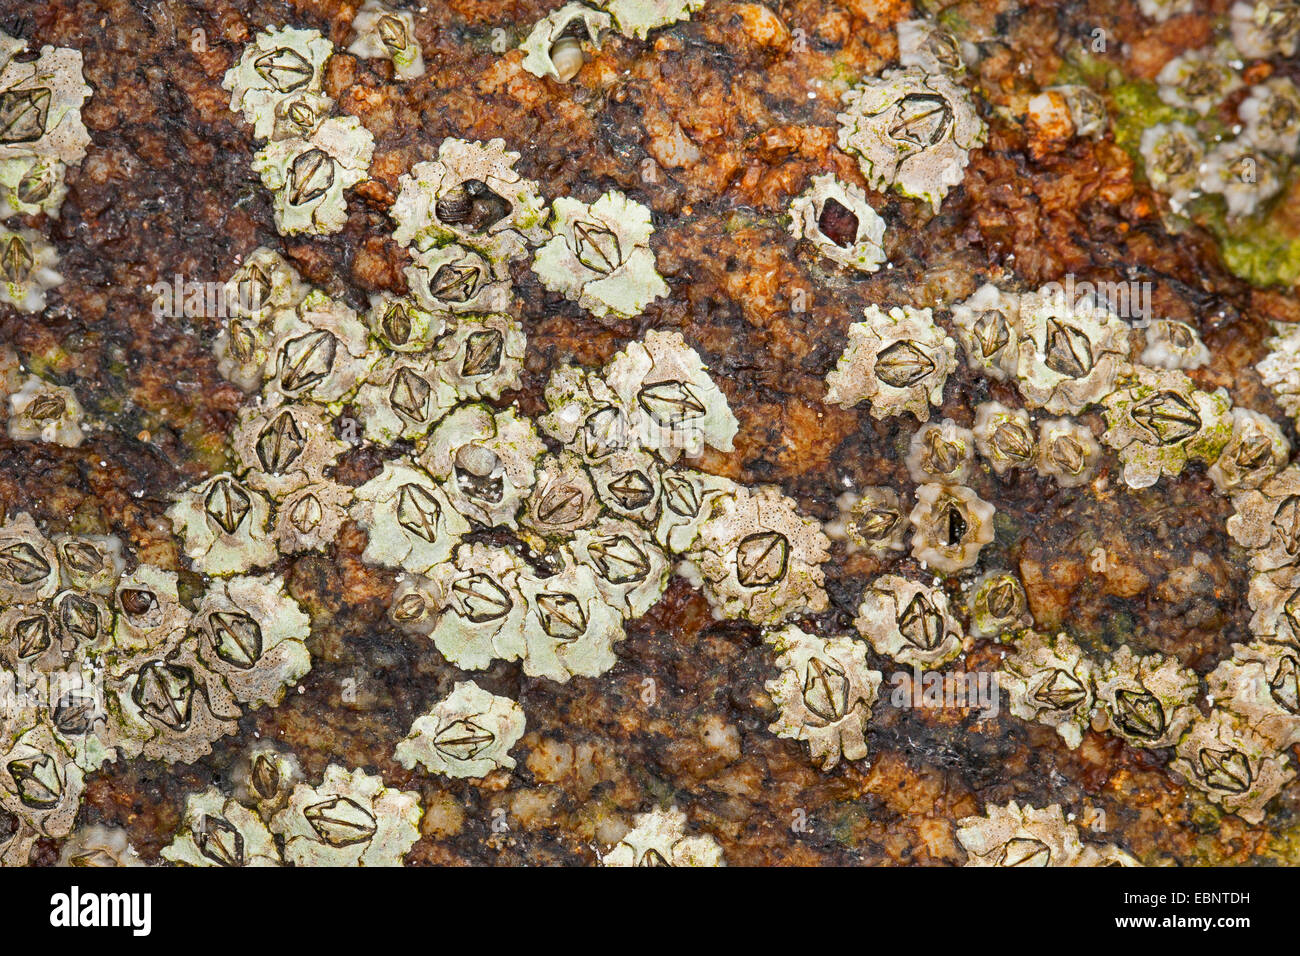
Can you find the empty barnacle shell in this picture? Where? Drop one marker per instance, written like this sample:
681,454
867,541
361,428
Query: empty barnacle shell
563,500
1071,350
837,219
1262,28
950,524
898,361
348,819
1256,452
1020,836
942,452
1171,344
309,517
659,838
40,411
408,519
997,604
630,570
469,733
385,32
28,269
481,355
1067,452
1271,114
283,447
1234,766
218,831
1199,79
1172,153
1004,437
872,519
556,46
281,62
1050,680
224,525
1148,700
909,622
1243,174
988,326
929,47
308,174
150,617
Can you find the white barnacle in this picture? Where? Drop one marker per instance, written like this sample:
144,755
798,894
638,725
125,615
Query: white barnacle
563,500
1050,680
586,415
150,619
558,44
223,524
481,355
629,483
872,519
385,32
217,830
265,776
309,517
1275,598
40,411
1171,344
1067,452
1149,700
91,563
686,501
909,622
1263,28
309,174
408,520
1172,153
950,525
1003,437
997,604
282,63
40,105
468,733
636,18
1260,686
1233,765
897,361
282,447
31,184
1070,352
403,396
1198,79
659,838
320,352
28,269
942,452
930,47
403,324
348,819
40,783
1086,108
839,222
1243,174
988,326
1256,452
452,278
471,607
569,629
29,562
1267,521
631,571
1020,836
1271,114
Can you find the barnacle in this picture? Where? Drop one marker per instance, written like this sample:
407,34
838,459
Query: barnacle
98,846
928,46
402,324
224,525
631,571
39,781
282,447
409,521
836,218
1161,10
32,184
1172,153
557,45
90,562
150,618
599,256
481,356
309,517
563,500
348,819
1280,368
30,637
1267,521
585,416
1148,700
29,564
909,622
1265,27
686,501
40,411
28,268
385,32
283,63
265,777
264,283
468,733
1016,836
452,278
1198,79
320,353
1243,175
950,524
988,327
898,361
630,484
1087,109
1275,598
1259,686
1067,451
760,559
568,628
1004,437
658,838
1171,344
309,174
872,519
403,396
1050,680
1256,452
997,604
1160,422
1271,114
636,18
911,130
479,605
40,105
825,692
942,452
1232,765
1070,352
218,831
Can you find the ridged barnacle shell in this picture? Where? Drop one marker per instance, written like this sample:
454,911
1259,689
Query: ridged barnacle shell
282,447
224,525
1260,685
91,562
557,44
481,606
265,775
280,63
1265,27
216,830
98,846
1004,437
1067,452
401,324
403,396
40,105
40,411
31,184
308,175
1171,344
909,622
1280,368
562,501
1256,452
942,452
409,521
569,629
930,47
872,519
950,524
29,563
1050,680
468,733
997,603
28,269
1020,836
1070,352
897,361
839,222
1267,521
988,326
40,783
309,517
1235,767
1148,700
585,415
481,356
686,501
659,839
385,32
630,571
452,278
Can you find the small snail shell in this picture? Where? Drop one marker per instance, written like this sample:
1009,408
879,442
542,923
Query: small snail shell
567,57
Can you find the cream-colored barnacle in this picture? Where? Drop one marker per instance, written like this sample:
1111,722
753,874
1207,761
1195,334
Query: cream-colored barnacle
761,559
297,115
82,619
481,356
321,352
308,175
1087,109
658,838
1004,437
409,522
1171,344
686,501
558,44
909,622
28,269
1280,368
569,629
1243,174
988,326
265,776
942,452
1016,836
997,604
1198,79
282,447
586,416
29,562
950,524
348,819
264,283
99,847
1067,452
837,219
1050,680
471,195
482,607
929,47
1148,700
90,562
1106,854
40,106
452,278
1070,351
911,130
1271,114
563,500
486,461
224,525
1255,453
825,693
150,618
636,18
385,32
30,638
631,571
629,483
1265,27
401,324
1260,686
678,408
32,184
309,517
1161,421
403,396
468,733
1235,767
1267,521
1275,598
253,635
40,411
599,256
1172,153
281,63
39,781
416,604
872,519
898,361
217,830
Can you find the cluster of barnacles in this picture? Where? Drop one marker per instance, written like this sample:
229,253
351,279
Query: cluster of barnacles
560,43
1032,837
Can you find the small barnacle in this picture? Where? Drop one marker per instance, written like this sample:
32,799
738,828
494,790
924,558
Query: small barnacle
1260,686
298,114
150,617
1198,79
265,776
686,501
950,524
468,733
452,278
40,106
911,130
837,219
39,781
1280,368
481,355
320,353
28,268
563,500
942,452
81,619
557,45
1267,521
636,18
91,562
31,638
825,692
98,846
281,63
1087,110
224,526
29,563
309,518
988,327
308,175
872,520
585,416
1070,352
929,47
1271,114
1161,422
282,447
486,461
1172,153
569,629
264,283
40,411
402,324
1171,344
1243,175
416,604
349,819
1265,27
482,607
909,622
30,185
760,559
1232,765
1256,452
253,635
385,32
998,604
659,838
1015,836
471,195
629,483
403,396
1050,680
218,831
1004,437
410,524
1067,452
898,361
599,256
631,571
1148,700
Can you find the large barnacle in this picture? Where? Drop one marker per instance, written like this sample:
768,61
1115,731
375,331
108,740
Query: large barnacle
283,64
997,604
31,638
1267,521
898,361
825,692
348,819
686,501
28,268
1067,452
469,733
836,218
219,831
401,324
636,18
942,452
1172,344
482,355
1004,437
40,411
90,562
32,184
321,352
1242,174
1256,452
1070,352
1015,836
409,522
629,483
309,518
385,32
452,278
224,524
558,44
599,256
481,606
1260,686
659,839
909,622
1050,680
1271,114
950,524
1233,765
39,781
29,563
1172,153
563,500
40,106
1198,79
988,327
308,174
1161,421
1266,27
1280,368
873,520
911,130
760,559
282,447
631,571
928,46
264,283
568,628
150,618
403,396
1148,700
